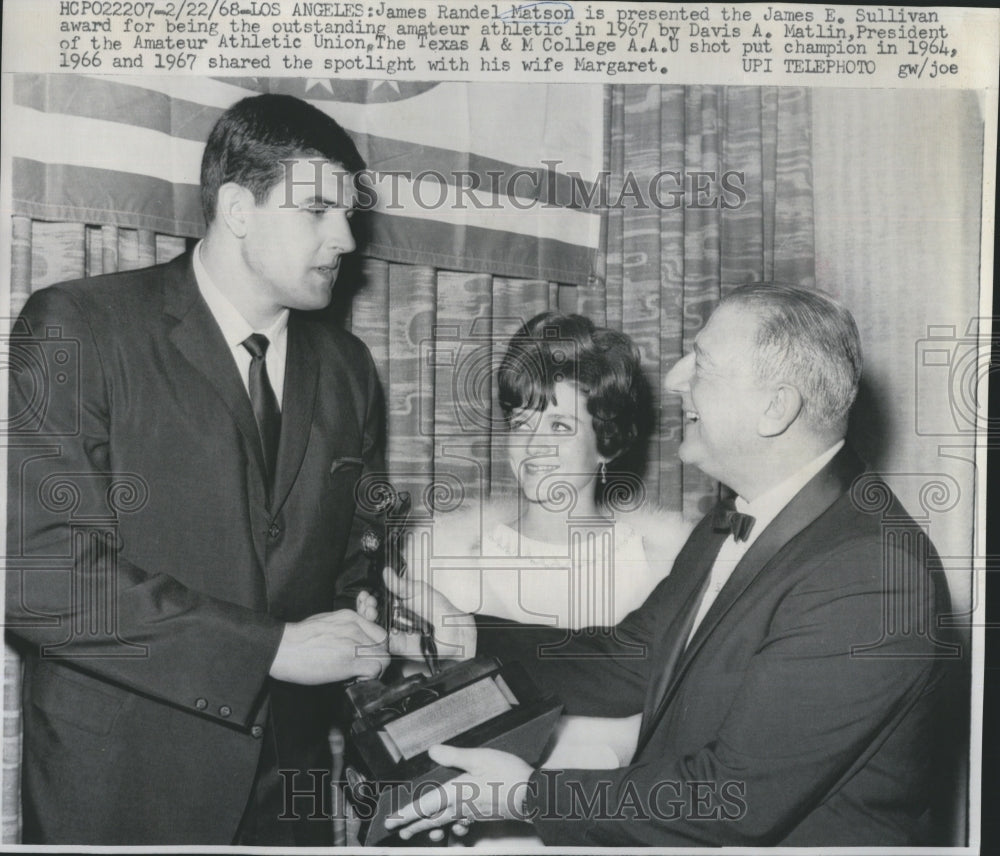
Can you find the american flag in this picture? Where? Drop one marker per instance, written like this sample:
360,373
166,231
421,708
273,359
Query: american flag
125,150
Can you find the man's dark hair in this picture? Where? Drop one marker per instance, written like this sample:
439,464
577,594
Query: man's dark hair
253,136
603,363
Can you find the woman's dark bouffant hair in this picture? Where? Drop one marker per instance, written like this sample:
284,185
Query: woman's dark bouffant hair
603,363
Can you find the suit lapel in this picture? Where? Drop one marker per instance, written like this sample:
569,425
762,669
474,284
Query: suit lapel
690,571
808,504
198,338
299,401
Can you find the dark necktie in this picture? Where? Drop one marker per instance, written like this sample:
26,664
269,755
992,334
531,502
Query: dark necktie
264,402
728,519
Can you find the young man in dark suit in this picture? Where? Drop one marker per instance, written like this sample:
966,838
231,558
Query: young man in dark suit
183,533
792,667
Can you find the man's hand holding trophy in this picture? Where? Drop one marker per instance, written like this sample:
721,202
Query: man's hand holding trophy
410,726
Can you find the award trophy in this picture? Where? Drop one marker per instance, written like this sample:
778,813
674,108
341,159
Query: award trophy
473,703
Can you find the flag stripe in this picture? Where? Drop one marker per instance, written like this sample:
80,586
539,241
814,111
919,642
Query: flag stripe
59,139
538,182
96,149
429,199
565,117
94,196
510,122
476,249
105,100
115,101
104,196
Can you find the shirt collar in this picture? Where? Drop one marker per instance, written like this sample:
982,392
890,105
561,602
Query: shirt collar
235,328
767,506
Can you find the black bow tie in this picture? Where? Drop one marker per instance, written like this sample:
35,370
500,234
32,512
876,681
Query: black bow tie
728,519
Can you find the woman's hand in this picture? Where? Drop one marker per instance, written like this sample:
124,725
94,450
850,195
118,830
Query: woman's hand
367,605
454,630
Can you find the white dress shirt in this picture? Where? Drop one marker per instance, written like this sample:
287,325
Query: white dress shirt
235,329
763,509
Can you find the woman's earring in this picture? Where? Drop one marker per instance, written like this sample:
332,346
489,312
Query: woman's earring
604,473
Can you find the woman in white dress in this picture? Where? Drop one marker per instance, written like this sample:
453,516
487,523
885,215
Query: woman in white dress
582,545
578,546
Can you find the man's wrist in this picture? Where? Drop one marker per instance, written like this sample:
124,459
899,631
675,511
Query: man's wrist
280,650
523,797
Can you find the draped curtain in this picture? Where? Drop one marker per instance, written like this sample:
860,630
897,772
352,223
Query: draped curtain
436,335
667,267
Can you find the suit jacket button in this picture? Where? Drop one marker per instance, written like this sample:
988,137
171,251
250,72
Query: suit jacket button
274,530
201,703
225,710
257,731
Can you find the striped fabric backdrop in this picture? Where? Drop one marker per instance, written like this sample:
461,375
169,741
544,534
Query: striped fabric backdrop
665,269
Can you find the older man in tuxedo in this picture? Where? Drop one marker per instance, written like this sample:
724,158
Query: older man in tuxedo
183,517
791,678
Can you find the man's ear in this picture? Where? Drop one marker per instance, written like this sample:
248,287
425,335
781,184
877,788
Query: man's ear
232,207
782,410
